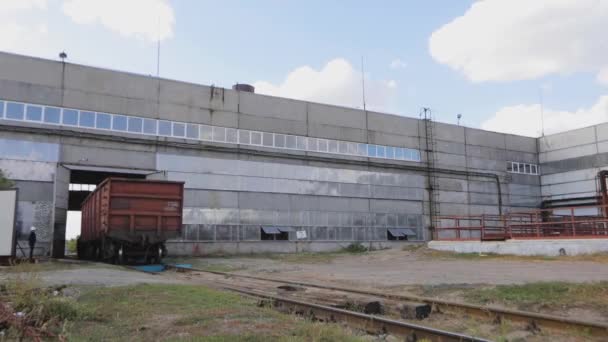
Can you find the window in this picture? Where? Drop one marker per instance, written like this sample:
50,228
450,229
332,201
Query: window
267,139
119,123
362,149
380,153
323,145
52,115
192,131
87,119
524,168
343,147
14,110
301,143
70,117
33,113
371,150
244,137
398,153
279,140
332,146
219,134
291,142
1,109
352,148
164,128
149,126
313,144
104,121
179,129
256,138
206,132
390,152
231,135
135,124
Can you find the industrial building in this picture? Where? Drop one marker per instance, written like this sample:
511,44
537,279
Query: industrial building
264,173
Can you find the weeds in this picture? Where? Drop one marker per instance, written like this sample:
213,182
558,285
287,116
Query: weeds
355,247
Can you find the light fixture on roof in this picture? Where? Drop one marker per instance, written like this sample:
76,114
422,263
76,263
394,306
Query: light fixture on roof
458,116
63,56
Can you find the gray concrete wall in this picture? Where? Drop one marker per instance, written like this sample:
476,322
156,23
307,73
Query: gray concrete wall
261,180
571,162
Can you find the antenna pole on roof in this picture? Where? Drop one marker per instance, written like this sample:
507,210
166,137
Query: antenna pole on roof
542,112
158,47
363,82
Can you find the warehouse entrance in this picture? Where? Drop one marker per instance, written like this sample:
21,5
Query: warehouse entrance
81,181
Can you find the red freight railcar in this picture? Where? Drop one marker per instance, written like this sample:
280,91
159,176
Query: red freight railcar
130,218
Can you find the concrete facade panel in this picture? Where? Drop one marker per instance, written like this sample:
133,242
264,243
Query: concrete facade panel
272,107
577,137
484,138
567,153
394,124
108,157
210,199
28,170
30,70
336,116
449,132
521,144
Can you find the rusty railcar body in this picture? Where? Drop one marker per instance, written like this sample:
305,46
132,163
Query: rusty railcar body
130,219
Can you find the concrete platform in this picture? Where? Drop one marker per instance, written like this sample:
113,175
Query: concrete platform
553,247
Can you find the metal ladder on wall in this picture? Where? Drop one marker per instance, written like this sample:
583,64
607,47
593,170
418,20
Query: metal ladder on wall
432,182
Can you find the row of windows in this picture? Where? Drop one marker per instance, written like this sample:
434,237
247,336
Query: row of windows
131,124
525,168
82,187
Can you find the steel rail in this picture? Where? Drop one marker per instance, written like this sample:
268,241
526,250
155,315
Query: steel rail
369,323
532,319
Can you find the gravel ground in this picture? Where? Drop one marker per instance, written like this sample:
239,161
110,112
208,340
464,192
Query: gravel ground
396,267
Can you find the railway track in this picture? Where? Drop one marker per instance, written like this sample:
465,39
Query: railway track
533,321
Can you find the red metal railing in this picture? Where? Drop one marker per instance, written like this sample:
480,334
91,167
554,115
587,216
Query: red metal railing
565,222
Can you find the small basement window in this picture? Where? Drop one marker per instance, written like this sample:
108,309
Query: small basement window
399,233
275,233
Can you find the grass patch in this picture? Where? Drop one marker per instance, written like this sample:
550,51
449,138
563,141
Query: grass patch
543,293
191,313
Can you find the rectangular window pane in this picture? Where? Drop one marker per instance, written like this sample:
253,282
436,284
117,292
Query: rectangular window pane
390,152
279,140
119,123
415,155
352,148
509,167
149,125
70,117
380,152
244,137
333,146
301,143
291,142
362,149
528,168
136,125
192,131
398,153
206,132
267,139
219,134
164,128
343,147
52,115
533,169
179,129
14,110
371,150
1,109
256,138
313,144
322,145
231,135
103,121
87,119
33,113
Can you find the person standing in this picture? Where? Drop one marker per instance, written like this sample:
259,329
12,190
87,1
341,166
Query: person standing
32,242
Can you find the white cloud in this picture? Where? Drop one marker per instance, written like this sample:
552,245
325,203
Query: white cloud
497,40
526,119
20,35
602,76
398,64
338,83
20,5
145,19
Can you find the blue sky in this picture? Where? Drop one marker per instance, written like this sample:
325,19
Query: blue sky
488,60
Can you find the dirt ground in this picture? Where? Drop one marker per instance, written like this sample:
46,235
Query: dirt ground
396,267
